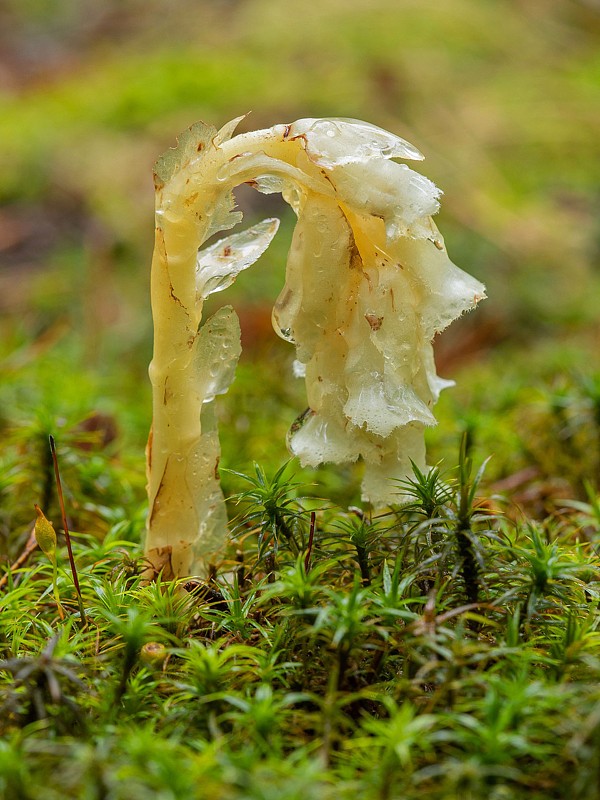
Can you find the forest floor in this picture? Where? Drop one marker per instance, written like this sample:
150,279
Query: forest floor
445,648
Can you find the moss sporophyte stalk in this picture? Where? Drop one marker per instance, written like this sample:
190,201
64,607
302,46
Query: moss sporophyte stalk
368,285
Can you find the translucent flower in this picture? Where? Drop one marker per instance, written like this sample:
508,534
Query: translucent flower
368,285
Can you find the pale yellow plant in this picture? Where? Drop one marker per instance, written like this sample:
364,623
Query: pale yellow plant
368,285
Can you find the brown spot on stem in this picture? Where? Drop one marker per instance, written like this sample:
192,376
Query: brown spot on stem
301,136
374,321
175,298
158,562
327,177
156,501
226,251
300,420
160,245
354,261
149,448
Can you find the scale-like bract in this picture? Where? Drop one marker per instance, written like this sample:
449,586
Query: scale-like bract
368,285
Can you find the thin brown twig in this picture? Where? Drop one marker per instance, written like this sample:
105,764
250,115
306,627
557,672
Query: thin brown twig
30,545
61,502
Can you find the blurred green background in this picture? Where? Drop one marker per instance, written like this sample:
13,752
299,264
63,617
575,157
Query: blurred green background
501,97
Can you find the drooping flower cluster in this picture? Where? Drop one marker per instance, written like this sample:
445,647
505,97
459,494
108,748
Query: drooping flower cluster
368,285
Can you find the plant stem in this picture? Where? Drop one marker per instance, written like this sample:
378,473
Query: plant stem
311,536
66,530
469,566
61,613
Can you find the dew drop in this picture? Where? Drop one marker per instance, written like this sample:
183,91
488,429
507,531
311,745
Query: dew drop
286,333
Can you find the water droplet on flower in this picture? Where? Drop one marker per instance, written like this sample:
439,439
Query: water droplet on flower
286,333
224,172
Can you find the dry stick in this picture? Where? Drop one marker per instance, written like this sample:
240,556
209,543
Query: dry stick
66,530
30,546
